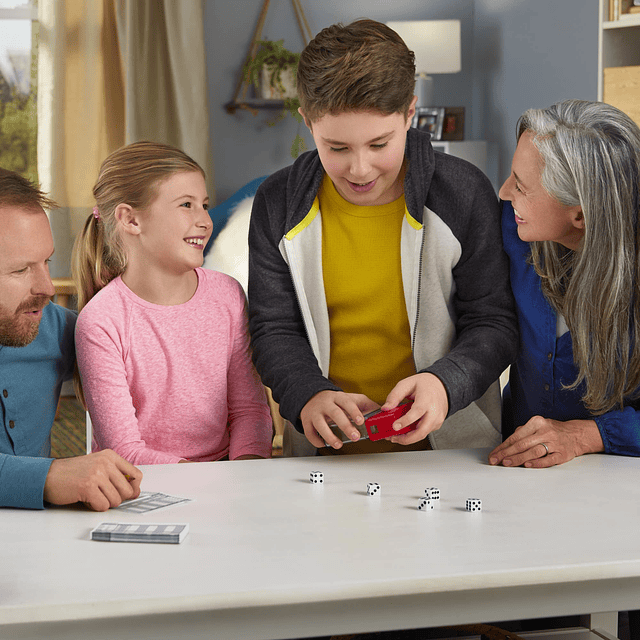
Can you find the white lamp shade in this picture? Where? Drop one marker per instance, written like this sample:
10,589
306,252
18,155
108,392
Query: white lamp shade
435,43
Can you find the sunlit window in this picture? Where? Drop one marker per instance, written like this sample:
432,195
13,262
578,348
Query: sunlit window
18,86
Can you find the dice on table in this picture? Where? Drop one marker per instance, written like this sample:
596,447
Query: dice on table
424,504
316,477
373,488
473,504
433,493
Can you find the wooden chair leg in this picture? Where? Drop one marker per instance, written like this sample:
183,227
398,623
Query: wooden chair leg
278,421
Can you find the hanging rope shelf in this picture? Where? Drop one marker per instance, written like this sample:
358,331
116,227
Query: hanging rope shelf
240,100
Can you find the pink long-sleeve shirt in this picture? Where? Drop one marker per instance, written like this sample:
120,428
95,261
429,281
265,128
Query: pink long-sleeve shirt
166,383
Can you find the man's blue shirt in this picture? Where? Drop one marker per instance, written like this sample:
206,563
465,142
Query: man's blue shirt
30,382
545,362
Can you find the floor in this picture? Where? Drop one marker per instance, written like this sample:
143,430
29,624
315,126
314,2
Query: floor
491,631
68,435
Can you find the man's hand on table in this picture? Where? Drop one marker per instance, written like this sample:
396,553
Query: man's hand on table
101,480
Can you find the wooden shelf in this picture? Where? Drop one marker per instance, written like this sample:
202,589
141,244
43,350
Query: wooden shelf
253,104
239,100
623,22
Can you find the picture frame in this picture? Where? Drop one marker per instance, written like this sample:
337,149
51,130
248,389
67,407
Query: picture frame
429,119
453,124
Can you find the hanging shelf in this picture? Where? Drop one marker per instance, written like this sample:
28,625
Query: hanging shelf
240,100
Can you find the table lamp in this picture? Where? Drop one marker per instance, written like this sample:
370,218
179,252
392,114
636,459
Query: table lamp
436,45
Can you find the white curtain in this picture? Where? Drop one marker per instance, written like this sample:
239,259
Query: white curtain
162,48
111,72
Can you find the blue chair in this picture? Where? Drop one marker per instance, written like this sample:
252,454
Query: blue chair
231,257
221,213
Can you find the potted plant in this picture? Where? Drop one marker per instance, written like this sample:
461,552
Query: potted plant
272,71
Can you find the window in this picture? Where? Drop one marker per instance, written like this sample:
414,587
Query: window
18,86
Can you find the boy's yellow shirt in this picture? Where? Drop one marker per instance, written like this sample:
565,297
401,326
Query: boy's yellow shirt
370,333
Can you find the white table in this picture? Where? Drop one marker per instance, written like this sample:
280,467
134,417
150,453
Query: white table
271,556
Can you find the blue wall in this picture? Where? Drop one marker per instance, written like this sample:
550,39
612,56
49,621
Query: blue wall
528,53
515,54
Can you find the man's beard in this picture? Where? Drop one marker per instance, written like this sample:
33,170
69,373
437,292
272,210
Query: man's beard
18,331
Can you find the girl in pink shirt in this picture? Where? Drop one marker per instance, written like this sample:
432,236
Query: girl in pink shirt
162,344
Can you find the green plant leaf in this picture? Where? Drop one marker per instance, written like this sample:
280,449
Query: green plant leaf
298,146
273,55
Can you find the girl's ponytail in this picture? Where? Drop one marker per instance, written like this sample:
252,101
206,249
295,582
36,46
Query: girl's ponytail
93,263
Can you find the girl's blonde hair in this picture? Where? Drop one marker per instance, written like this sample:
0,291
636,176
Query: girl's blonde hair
131,175
591,155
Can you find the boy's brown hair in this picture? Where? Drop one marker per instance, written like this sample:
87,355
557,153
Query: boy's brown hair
362,66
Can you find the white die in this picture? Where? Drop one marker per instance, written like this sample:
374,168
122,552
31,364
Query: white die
316,477
433,493
373,488
424,504
473,504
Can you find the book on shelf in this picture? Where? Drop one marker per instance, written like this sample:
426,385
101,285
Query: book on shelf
623,8
633,13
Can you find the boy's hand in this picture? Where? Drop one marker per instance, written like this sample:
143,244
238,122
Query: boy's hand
101,480
430,406
334,407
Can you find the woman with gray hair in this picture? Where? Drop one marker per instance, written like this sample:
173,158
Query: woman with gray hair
570,228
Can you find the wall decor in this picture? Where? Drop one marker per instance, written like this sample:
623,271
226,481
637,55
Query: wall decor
453,124
429,119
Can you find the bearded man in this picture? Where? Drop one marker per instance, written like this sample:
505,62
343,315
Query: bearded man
36,356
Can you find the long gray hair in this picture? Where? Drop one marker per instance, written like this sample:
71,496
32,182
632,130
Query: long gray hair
591,155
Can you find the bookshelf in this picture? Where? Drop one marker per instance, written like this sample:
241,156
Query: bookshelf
619,56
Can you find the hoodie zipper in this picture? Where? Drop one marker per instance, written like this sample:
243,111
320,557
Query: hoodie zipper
415,326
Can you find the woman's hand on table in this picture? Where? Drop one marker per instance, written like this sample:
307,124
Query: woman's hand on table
337,408
543,442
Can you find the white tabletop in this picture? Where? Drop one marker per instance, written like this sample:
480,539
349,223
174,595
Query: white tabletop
271,555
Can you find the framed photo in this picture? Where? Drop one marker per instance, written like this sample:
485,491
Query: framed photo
429,119
453,124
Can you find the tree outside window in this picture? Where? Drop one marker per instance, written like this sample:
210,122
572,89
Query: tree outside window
18,87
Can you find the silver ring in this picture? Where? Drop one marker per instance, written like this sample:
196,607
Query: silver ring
547,448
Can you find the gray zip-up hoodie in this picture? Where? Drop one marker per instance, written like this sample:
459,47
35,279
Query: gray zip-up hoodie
455,278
